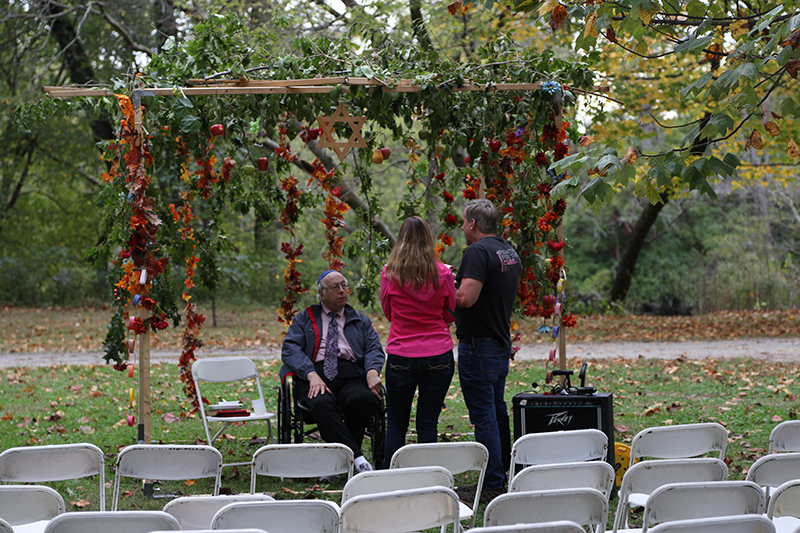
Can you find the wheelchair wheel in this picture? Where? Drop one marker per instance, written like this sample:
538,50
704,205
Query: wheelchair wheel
377,435
285,414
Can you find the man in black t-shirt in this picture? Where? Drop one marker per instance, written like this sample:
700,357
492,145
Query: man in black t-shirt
487,287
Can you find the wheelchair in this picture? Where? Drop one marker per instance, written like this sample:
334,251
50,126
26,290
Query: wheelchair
295,421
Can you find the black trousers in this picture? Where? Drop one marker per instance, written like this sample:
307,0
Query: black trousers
349,393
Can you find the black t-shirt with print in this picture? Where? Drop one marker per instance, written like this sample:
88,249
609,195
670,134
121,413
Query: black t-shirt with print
496,264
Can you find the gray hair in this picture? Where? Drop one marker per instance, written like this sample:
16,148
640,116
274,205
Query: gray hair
485,214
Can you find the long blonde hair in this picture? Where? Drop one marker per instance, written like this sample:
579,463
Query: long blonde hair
413,258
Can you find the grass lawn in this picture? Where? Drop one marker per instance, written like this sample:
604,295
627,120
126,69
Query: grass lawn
61,404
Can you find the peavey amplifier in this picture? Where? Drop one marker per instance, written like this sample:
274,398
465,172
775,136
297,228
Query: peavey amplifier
539,413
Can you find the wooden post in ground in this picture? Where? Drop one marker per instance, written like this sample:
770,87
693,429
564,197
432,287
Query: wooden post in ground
144,341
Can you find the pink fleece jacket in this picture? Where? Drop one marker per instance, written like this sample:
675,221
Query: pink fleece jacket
419,319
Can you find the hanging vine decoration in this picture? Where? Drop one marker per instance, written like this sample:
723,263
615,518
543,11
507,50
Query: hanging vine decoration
140,261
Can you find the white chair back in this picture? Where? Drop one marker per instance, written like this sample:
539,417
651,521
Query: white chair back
280,516
396,479
457,457
116,521
227,370
687,501
590,474
720,524
558,447
585,507
558,526
197,512
55,462
785,437
167,462
785,500
301,460
401,511
5,527
237,530
679,441
774,470
25,504
643,478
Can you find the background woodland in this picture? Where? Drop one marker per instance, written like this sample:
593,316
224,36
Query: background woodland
721,232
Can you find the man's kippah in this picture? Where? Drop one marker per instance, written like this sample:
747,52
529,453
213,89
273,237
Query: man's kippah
324,274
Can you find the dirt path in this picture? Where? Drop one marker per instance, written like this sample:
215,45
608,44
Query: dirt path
767,348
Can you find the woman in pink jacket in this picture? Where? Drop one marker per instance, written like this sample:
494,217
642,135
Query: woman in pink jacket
418,297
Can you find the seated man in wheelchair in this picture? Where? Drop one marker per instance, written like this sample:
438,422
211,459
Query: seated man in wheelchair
337,357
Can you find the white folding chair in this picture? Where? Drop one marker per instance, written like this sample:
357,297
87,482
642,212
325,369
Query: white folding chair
197,512
5,527
301,460
557,526
785,437
237,530
592,474
280,516
558,447
784,506
679,441
719,524
774,470
643,478
400,511
55,462
688,501
116,521
227,370
415,477
457,457
585,507
396,479
29,506
167,462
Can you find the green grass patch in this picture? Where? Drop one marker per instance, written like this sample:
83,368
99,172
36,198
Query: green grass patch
61,404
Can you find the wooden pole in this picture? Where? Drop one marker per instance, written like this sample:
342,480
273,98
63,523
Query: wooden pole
144,342
562,338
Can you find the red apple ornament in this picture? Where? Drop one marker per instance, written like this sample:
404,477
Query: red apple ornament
217,130
262,163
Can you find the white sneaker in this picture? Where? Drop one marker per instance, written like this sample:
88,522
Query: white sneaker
363,467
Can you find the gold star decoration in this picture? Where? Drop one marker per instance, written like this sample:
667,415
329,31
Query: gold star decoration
326,125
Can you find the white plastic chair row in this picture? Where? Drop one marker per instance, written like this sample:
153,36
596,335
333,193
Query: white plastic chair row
774,470
387,512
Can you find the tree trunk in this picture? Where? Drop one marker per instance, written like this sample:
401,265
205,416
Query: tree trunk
418,25
166,25
75,58
627,264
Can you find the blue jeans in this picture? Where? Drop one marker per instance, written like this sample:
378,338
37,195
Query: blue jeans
482,370
404,375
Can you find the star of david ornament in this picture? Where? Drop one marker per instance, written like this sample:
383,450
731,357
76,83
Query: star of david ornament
327,124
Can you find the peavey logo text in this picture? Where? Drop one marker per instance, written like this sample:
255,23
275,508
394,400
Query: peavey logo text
563,418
